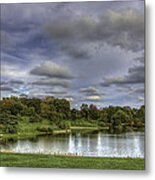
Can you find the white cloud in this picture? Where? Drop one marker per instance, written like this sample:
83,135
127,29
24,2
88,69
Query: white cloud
13,72
93,98
141,99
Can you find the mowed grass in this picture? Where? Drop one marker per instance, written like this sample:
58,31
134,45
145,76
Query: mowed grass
50,161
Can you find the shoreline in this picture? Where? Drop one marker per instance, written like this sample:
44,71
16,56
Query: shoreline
66,154
19,136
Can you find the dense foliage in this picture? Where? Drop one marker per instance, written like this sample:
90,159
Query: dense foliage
58,114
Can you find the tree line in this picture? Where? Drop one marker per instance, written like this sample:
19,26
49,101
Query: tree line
58,112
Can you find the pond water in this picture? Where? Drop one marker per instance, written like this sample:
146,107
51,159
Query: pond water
101,144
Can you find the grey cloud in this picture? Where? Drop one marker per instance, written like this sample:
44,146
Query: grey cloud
52,70
56,92
91,94
4,37
75,51
23,95
12,82
140,59
131,90
52,82
90,91
117,28
137,90
18,82
3,82
40,96
8,89
135,75
84,28
69,96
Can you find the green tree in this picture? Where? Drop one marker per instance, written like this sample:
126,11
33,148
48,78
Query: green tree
93,112
84,111
120,117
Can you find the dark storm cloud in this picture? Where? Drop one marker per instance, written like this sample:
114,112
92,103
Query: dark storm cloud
135,75
52,70
124,29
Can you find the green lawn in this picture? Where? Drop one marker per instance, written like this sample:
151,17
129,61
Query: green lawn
50,161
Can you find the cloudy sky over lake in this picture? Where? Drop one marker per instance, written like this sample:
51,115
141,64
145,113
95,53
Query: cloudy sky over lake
86,52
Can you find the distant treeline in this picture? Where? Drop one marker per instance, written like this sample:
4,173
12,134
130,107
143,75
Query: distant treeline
59,113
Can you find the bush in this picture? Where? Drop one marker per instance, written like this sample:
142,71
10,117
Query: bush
11,129
35,118
44,129
63,124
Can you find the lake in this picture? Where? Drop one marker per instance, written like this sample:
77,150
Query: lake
129,144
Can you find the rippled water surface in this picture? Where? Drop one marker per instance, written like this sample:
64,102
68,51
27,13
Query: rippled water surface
90,144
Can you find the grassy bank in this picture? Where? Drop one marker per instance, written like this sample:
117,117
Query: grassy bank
26,129
50,161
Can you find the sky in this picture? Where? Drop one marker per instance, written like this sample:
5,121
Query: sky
85,52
